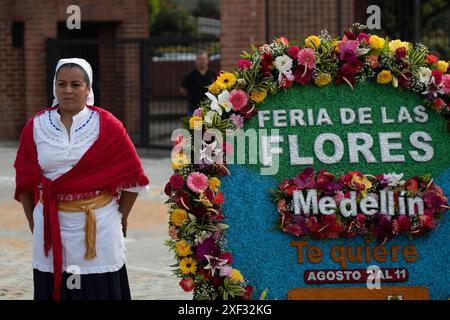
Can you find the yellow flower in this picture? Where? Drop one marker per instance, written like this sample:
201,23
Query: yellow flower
195,122
214,88
442,66
179,161
361,184
376,42
183,248
312,39
323,79
395,44
384,77
236,275
214,184
258,96
204,200
188,265
226,80
178,217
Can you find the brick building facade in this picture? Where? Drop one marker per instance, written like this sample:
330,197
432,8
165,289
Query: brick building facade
257,21
24,27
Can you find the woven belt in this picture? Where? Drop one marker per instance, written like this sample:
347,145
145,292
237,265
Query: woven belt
88,206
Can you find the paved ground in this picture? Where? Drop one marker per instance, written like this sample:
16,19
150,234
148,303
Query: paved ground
147,257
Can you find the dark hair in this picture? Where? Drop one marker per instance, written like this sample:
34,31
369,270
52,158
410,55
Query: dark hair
74,65
202,52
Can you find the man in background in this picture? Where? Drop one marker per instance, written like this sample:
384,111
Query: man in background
195,83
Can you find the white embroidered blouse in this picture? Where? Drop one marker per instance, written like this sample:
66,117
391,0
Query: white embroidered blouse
58,152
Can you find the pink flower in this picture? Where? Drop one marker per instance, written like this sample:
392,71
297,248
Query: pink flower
339,196
228,147
307,58
225,271
244,63
173,232
237,120
238,99
348,50
363,37
293,51
198,112
197,182
446,81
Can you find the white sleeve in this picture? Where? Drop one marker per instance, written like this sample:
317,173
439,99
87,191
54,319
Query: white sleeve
137,189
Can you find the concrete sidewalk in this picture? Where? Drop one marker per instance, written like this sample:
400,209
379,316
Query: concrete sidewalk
147,257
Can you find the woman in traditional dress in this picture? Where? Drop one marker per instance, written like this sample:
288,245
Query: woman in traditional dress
77,177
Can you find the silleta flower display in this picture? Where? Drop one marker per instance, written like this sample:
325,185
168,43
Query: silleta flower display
379,207
196,226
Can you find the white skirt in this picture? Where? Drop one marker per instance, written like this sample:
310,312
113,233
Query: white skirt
110,244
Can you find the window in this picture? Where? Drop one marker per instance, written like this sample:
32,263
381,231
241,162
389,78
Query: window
17,33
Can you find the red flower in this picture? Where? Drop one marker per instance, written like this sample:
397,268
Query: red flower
340,79
301,77
219,199
411,185
291,190
244,63
187,284
373,61
363,37
347,179
426,222
283,40
248,111
176,181
227,256
168,189
183,199
404,222
438,103
437,76
248,293
305,179
206,274
404,80
293,52
431,59
217,282
285,82
324,178
350,35
284,184
281,205
294,229
400,53
266,63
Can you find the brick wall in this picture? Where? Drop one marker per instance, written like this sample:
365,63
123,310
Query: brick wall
12,84
23,73
244,23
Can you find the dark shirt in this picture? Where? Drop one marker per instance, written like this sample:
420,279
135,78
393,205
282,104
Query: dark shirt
196,85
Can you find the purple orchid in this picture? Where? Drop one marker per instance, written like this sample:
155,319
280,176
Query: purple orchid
348,50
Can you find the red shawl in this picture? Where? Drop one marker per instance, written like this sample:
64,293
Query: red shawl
109,164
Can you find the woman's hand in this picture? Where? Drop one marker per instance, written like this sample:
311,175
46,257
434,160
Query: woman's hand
124,226
126,202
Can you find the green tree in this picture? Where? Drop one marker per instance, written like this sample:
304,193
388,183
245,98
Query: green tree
172,21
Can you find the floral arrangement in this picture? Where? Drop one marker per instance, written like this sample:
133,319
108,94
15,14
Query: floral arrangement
196,219
381,227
